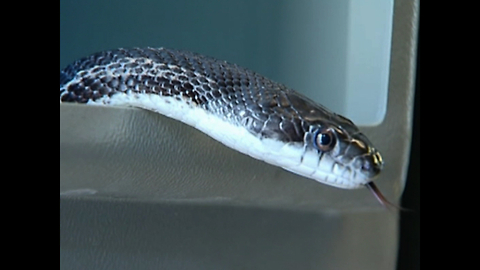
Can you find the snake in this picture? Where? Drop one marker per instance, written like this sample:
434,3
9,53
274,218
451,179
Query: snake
235,106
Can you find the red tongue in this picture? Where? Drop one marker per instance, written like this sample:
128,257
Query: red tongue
383,201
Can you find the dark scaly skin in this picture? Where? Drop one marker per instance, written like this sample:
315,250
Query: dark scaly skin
271,108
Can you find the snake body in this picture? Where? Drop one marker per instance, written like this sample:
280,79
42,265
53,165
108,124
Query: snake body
236,106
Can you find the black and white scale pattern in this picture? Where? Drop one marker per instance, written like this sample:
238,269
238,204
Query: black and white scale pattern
245,97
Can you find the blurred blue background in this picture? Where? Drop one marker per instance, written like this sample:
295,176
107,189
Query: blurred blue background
336,52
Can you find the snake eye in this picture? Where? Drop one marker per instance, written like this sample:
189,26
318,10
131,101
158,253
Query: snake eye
324,140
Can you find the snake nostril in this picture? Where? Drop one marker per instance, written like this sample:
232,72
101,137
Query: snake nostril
371,165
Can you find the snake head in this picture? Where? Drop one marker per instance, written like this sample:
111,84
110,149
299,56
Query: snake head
344,156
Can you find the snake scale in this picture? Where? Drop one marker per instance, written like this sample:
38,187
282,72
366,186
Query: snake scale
238,107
